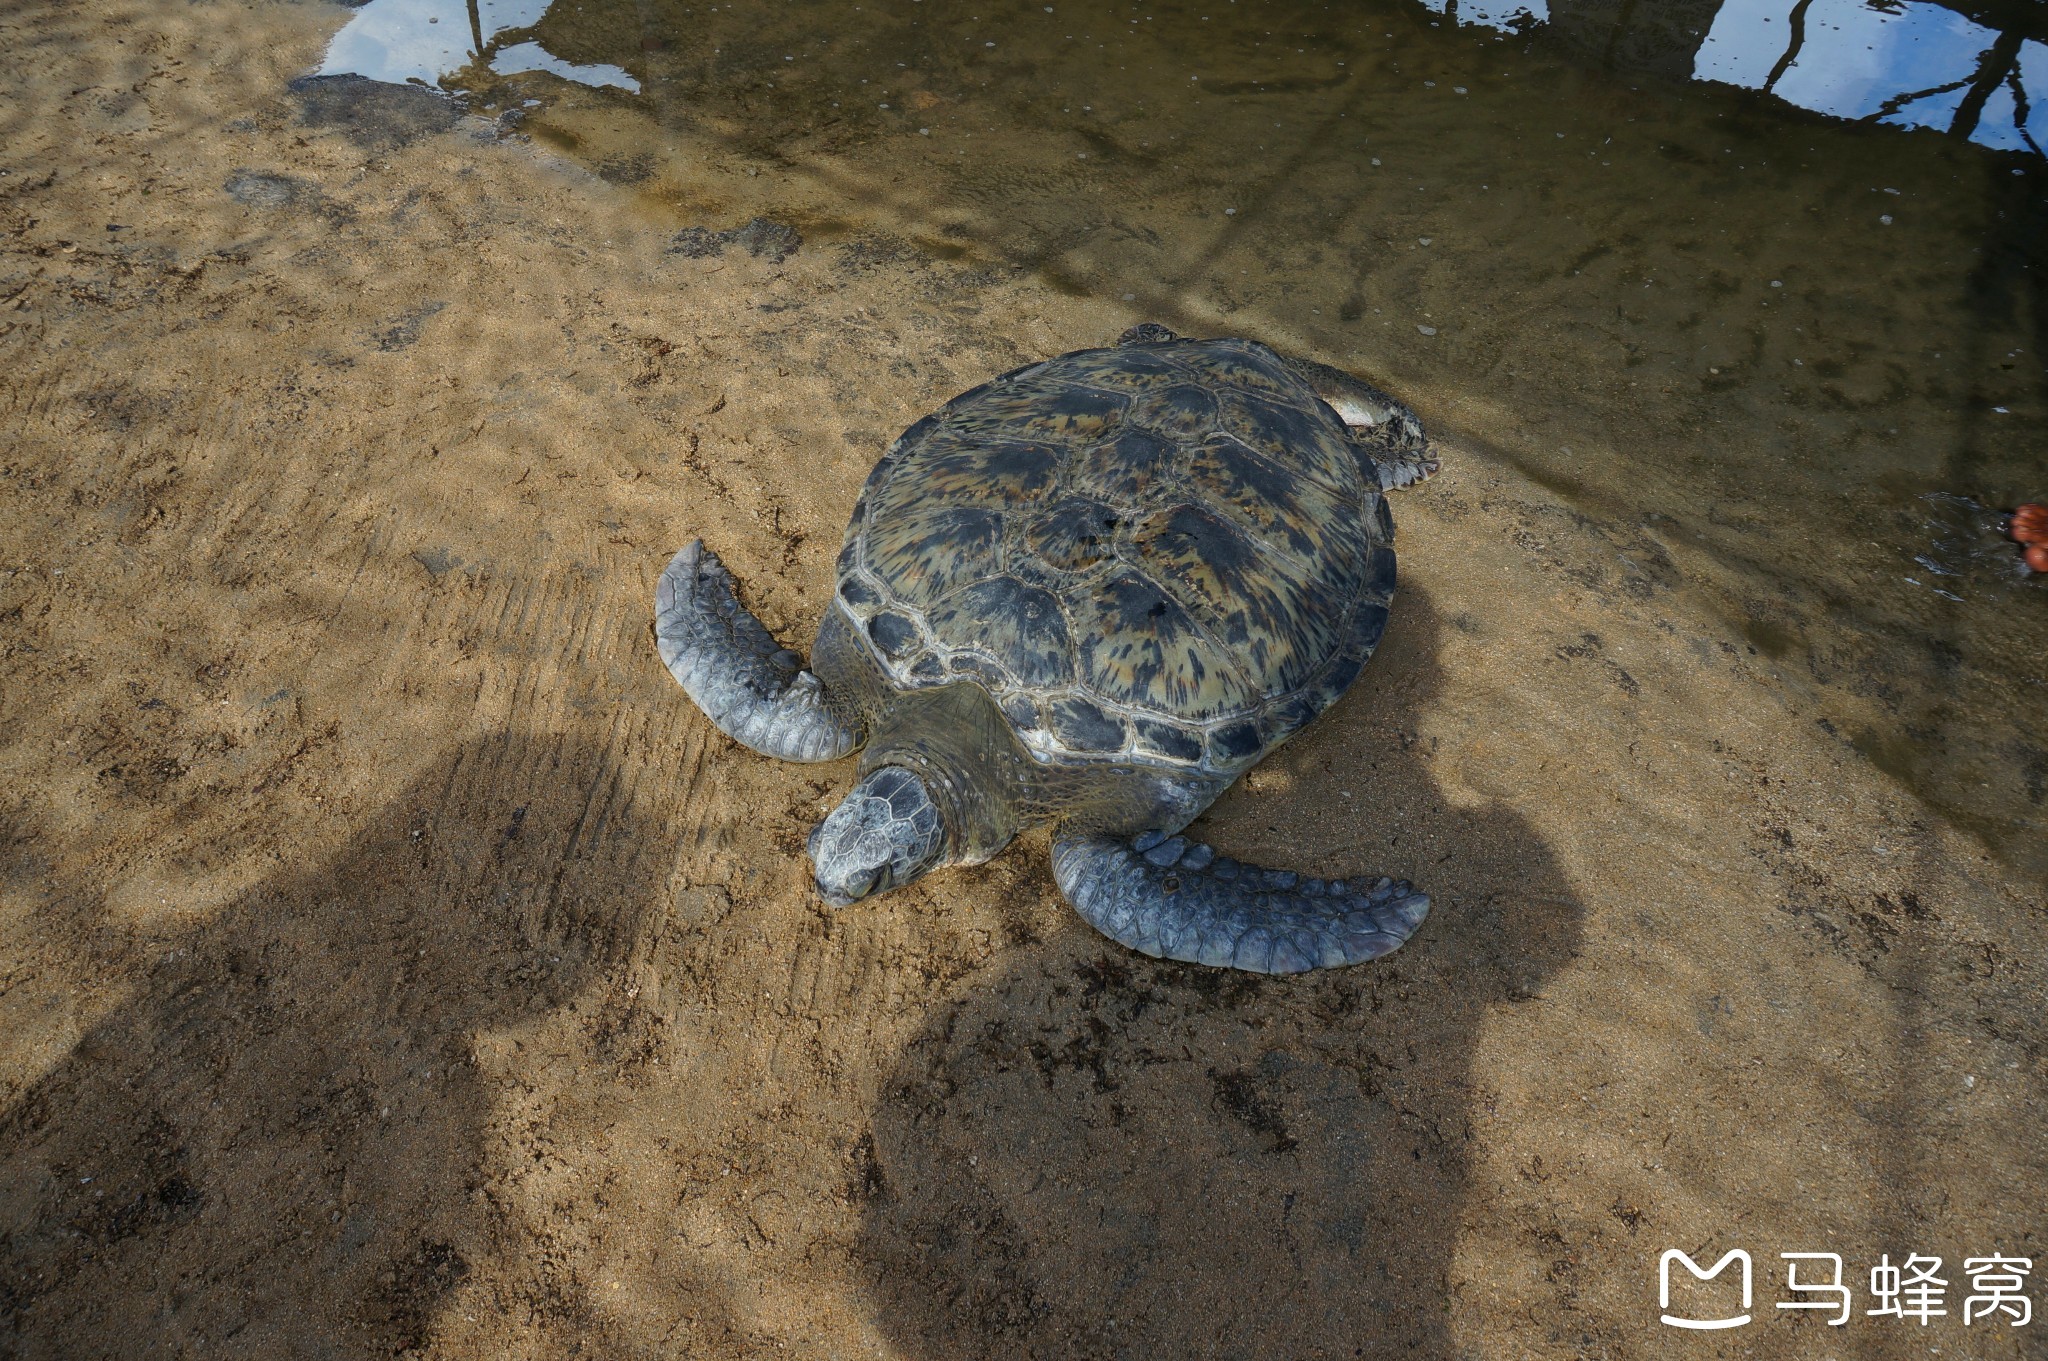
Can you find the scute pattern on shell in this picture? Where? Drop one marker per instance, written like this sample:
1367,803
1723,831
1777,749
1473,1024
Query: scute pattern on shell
1164,553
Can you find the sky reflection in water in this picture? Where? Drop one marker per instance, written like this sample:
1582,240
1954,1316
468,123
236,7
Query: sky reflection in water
1901,62
1913,65
430,40
1908,63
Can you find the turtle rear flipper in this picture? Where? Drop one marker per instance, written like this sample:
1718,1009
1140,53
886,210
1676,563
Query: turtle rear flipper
751,687
1165,897
1387,433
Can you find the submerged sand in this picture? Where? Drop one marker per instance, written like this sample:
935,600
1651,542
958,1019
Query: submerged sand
392,962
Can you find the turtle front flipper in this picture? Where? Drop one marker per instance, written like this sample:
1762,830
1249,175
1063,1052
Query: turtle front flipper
1162,896
754,689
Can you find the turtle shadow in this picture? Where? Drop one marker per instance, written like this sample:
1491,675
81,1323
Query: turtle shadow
1100,1154
284,1144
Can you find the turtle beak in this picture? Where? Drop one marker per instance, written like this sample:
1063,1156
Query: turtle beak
842,887
853,892
885,833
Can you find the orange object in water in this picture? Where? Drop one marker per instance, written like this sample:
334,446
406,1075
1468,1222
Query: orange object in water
2029,524
2036,556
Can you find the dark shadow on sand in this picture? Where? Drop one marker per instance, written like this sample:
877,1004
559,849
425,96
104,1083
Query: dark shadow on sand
282,1146
1104,1155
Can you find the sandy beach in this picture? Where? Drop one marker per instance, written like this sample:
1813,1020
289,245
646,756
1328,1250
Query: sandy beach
393,962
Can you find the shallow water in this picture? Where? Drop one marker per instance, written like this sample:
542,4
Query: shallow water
1759,278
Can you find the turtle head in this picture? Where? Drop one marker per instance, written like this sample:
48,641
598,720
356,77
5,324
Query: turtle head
884,834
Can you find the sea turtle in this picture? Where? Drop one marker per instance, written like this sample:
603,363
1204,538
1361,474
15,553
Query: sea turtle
1088,595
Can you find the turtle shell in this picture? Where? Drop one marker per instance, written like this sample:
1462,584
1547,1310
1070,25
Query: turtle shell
1162,553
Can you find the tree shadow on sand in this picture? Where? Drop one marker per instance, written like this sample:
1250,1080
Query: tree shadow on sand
283,1146
1105,1155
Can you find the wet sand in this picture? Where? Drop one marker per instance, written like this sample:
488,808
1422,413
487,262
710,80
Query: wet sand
394,963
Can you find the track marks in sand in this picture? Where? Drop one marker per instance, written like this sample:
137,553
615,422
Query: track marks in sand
35,400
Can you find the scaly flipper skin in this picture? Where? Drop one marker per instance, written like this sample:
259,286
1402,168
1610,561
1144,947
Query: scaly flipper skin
1164,897
750,686
1385,430
1400,467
